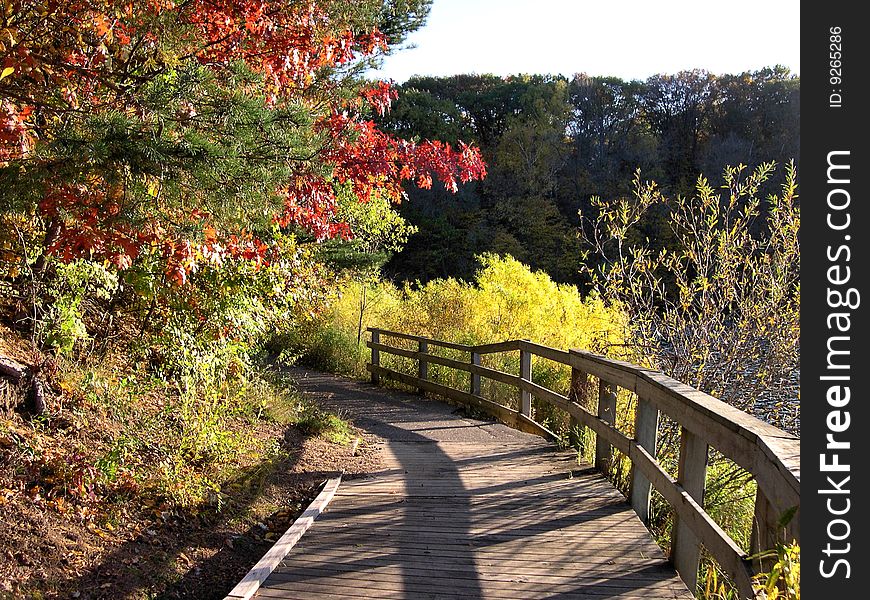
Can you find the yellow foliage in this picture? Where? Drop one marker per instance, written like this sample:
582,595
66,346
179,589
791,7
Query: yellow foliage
530,305
784,579
506,301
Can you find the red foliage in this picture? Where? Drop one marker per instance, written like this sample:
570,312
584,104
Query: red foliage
90,225
90,55
373,162
286,41
380,97
15,140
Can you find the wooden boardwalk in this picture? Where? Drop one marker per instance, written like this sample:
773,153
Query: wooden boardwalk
467,509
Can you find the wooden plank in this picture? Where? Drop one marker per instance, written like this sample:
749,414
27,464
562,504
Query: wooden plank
736,434
500,376
579,381
770,459
414,585
251,582
685,548
764,532
728,554
616,438
607,413
501,532
770,454
509,346
475,377
646,424
559,356
621,373
526,376
608,557
433,342
504,414
581,415
376,355
434,568
417,338
422,364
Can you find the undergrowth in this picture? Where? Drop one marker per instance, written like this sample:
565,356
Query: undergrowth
118,436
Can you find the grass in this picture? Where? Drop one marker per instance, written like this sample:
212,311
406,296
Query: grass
116,431
121,452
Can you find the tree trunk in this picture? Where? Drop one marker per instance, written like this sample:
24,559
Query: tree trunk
51,234
19,373
12,369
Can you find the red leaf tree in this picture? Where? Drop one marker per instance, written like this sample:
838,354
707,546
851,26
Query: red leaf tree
116,169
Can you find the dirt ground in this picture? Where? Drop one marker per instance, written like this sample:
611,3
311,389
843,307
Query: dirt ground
51,550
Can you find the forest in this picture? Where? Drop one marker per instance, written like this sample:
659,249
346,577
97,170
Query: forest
552,143
196,196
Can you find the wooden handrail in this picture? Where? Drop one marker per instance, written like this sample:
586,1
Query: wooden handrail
771,455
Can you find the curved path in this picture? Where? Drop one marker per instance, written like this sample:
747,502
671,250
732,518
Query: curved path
466,508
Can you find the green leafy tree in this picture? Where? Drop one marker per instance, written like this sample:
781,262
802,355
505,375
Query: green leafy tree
719,310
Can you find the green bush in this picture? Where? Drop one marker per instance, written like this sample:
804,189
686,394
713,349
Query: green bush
61,319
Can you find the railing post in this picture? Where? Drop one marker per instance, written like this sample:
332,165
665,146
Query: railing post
765,530
475,378
422,365
376,355
577,393
646,425
525,373
607,412
685,547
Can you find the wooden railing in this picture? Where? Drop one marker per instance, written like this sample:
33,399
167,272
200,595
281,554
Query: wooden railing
771,455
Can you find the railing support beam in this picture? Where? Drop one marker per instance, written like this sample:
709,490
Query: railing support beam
685,547
525,373
422,365
475,378
767,531
646,425
376,355
607,413
577,393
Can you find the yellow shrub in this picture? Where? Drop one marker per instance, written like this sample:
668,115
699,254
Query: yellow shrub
506,301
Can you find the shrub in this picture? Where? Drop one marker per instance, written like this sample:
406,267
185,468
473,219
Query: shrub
507,300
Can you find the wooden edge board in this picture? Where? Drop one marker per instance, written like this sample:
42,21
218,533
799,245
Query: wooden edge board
733,560
741,436
559,356
506,346
538,428
420,338
468,367
251,582
508,416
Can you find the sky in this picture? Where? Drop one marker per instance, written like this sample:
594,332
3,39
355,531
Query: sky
630,39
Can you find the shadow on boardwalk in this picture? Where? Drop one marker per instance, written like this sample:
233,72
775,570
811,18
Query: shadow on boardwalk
466,509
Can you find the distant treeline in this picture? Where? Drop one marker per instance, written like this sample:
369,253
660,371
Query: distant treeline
551,143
